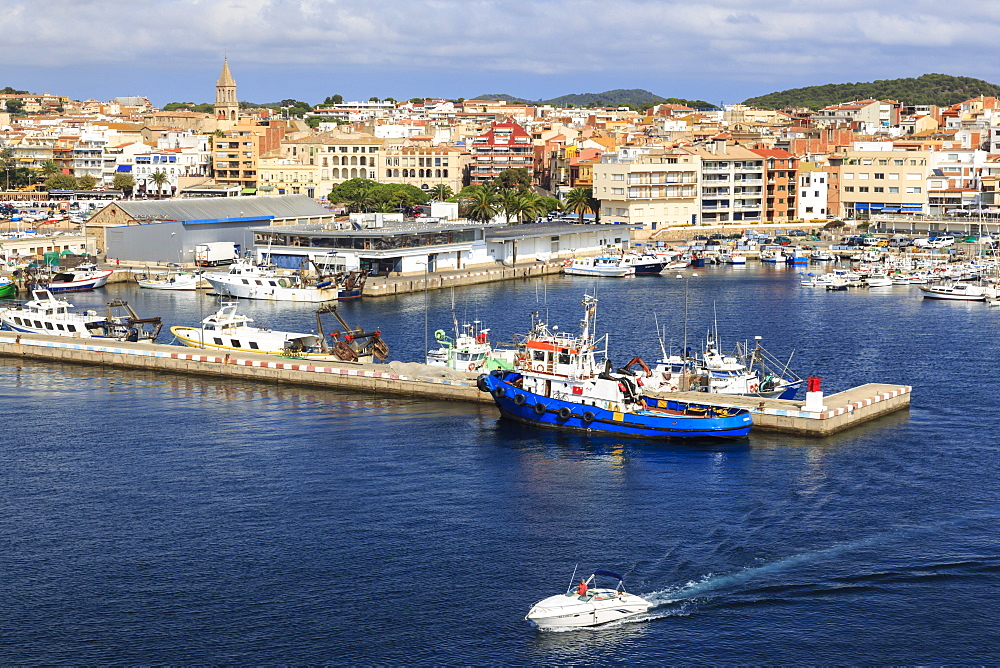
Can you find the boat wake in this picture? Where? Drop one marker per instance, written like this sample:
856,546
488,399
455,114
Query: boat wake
716,584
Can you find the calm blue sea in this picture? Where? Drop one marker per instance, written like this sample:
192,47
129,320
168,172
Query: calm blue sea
156,518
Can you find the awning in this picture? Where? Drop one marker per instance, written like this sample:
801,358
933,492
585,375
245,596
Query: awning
861,206
248,191
890,210
124,168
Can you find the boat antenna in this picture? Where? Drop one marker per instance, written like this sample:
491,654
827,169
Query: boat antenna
572,578
659,337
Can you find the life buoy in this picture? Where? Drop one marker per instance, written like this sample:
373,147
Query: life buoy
540,408
481,338
640,383
520,399
565,413
621,386
472,366
588,417
672,388
540,367
754,387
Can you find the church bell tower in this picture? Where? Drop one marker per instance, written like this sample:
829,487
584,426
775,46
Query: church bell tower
227,108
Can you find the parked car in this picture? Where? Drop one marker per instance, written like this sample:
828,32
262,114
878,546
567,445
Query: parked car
941,242
783,241
798,233
900,242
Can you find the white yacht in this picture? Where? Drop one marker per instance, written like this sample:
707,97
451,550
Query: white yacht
955,291
175,280
587,605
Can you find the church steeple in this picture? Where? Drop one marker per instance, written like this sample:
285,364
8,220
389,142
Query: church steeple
227,107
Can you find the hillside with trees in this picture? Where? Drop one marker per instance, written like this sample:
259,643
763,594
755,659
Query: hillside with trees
940,89
637,98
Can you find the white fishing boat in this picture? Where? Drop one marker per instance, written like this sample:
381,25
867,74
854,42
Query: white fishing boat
45,314
469,350
598,266
177,280
732,258
247,280
227,330
80,279
586,604
955,291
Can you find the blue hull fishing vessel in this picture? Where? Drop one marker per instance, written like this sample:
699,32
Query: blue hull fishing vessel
559,385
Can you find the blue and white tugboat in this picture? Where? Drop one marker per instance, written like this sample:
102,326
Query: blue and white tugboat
558,384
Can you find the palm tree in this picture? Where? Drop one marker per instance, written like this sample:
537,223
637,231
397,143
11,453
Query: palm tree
48,169
441,192
159,178
526,205
579,201
482,206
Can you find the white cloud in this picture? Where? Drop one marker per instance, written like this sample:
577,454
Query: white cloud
768,39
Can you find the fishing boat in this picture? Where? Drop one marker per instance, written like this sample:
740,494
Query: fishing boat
733,258
560,385
878,280
645,264
175,280
247,280
954,291
45,314
81,279
227,330
469,350
751,371
598,266
586,604
8,288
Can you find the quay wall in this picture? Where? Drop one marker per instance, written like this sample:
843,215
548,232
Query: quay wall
368,378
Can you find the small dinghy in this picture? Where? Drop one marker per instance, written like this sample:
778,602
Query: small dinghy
586,604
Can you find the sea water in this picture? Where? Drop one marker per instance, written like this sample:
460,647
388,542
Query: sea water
159,518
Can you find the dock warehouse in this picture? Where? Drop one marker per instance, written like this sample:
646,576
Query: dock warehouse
385,244
168,230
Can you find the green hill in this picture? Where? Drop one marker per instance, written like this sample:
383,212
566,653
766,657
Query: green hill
940,89
620,97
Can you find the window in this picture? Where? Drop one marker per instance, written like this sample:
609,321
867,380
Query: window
879,176
883,162
913,190
863,177
863,189
893,176
878,189
809,209
913,177
848,189
898,163
893,190
848,175
617,177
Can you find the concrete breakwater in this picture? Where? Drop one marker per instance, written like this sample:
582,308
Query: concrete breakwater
841,411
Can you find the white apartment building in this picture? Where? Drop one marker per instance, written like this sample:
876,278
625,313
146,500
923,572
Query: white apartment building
654,188
812,192
732,184
882,181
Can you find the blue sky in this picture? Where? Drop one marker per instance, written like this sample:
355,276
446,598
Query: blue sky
716,50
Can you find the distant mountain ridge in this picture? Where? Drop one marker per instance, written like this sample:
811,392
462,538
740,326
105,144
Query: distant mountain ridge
940,89
620,97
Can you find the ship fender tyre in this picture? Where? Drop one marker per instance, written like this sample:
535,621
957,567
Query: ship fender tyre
540,408
588,417
565,413
520,399
481,384
499,393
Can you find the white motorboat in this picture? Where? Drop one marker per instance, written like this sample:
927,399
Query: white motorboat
878,280
227,330
177,280
955,291
598,266
732,258
469,350
586,605
45,314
